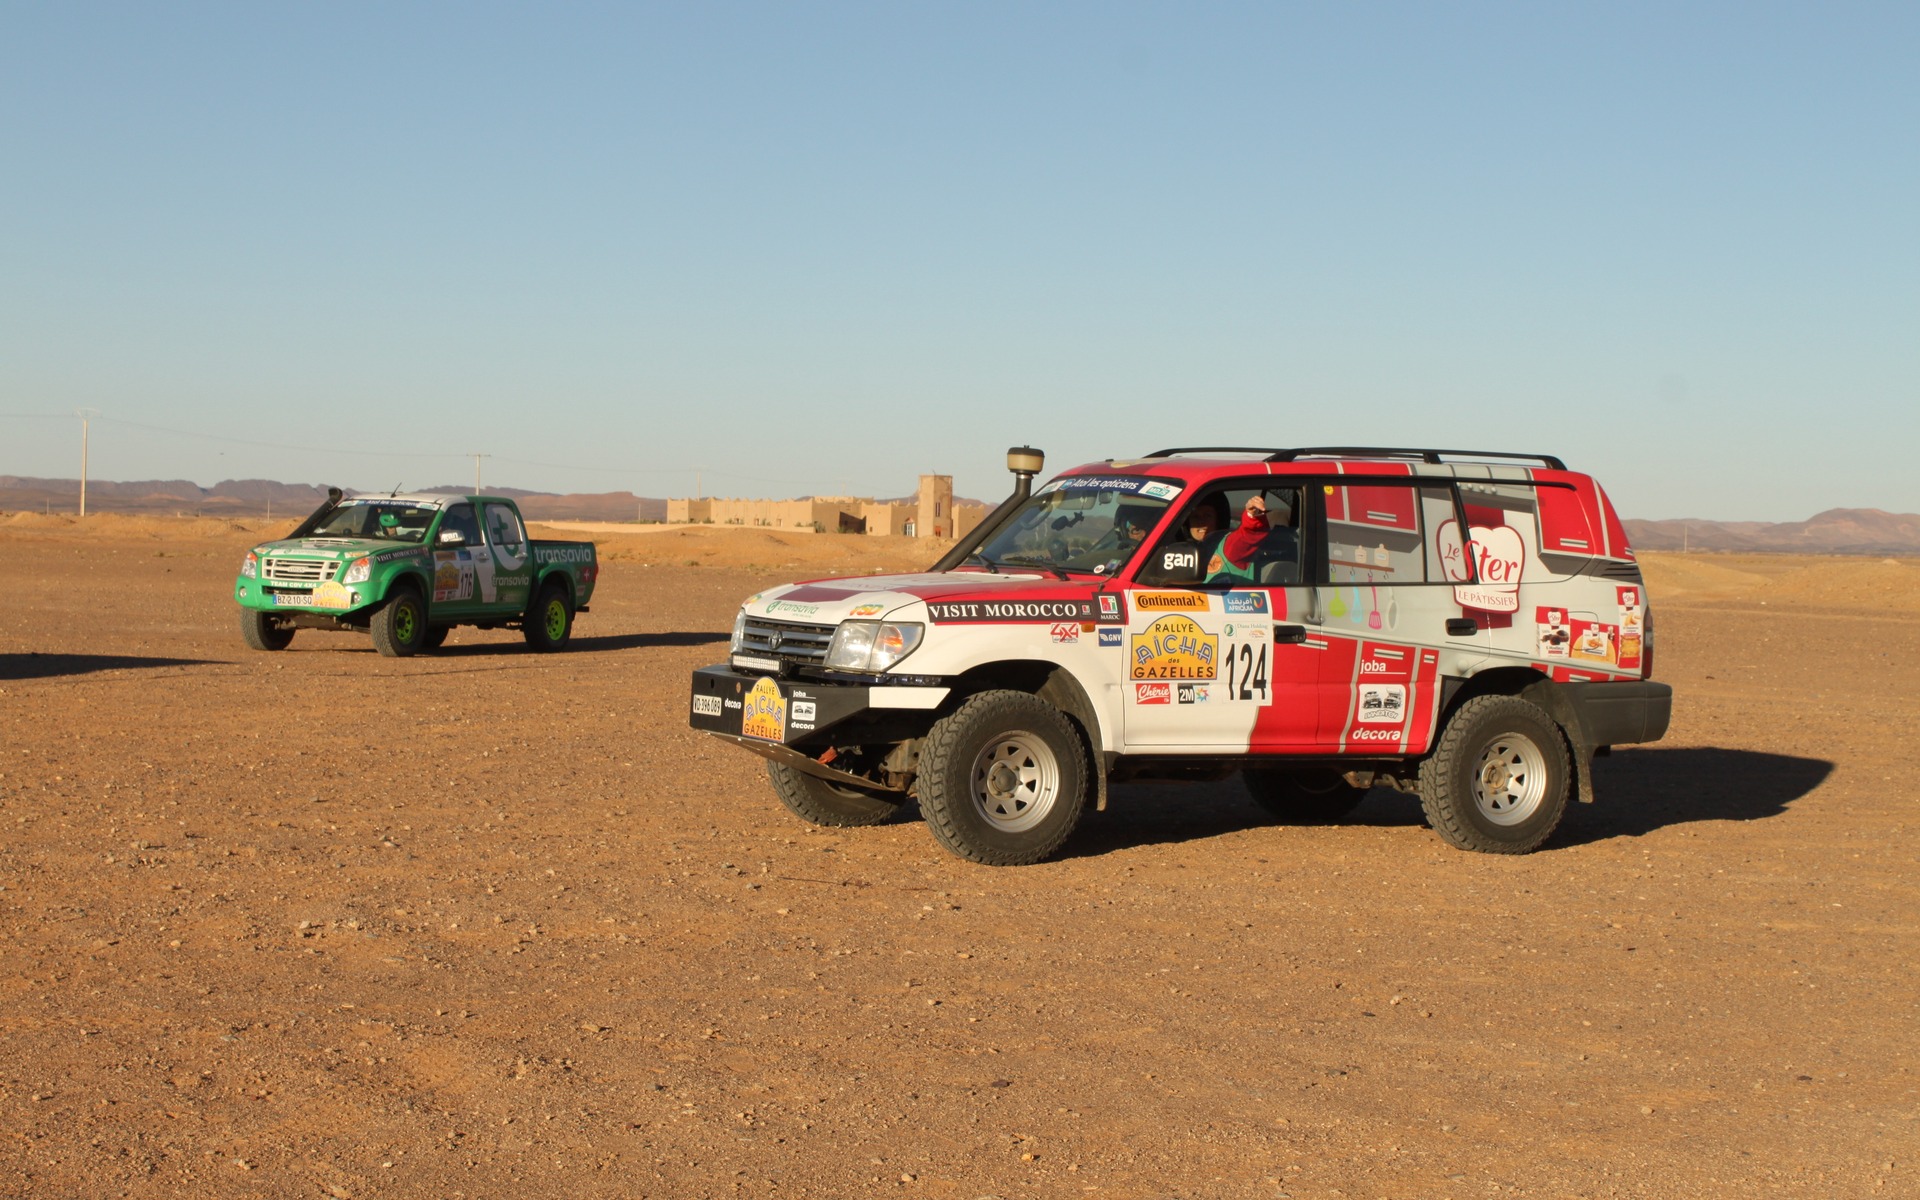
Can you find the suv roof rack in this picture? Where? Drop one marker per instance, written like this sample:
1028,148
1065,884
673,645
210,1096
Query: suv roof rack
1431,456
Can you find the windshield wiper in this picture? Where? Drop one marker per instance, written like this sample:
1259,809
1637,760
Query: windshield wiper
1028,561
983,560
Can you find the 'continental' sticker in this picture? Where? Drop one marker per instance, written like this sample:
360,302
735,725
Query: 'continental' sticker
764,714
1169,602
1173,647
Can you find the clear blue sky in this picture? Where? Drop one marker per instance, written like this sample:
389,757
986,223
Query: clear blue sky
828,247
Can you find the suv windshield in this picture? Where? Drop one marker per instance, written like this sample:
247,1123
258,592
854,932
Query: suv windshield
1082,523
384,519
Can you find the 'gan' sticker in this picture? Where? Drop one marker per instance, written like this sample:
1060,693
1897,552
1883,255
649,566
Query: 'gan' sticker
765,716
1174,647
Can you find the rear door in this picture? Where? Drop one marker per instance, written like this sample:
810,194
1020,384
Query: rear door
1389,614
505,578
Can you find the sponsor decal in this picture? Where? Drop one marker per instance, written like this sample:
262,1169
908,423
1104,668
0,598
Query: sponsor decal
1110,609
1383,704
1374,735
332,594
1632,626
1152,693
1111,637
1556,632
1112,483
706,706
801,710
1065,633
1246,602
562,554
866,610
393,555
1174,647
800,610
1499,561
730,704
1595,642
765,715
1169,602
1009,611
1192,693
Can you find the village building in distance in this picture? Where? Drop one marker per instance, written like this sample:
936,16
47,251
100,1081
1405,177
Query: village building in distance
932,514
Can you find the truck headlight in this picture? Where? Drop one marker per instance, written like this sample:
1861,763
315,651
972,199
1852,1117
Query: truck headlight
357,571
250,566
871,646
739,632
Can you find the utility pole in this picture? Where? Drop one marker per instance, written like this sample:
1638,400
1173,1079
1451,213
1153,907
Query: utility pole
476,470
84,414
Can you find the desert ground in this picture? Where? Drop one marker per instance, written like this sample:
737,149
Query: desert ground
483,923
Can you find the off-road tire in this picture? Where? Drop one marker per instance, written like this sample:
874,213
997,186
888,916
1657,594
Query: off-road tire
549,620
814,799
1311,796
436,637
1003,779
1497,780
400,625
263,632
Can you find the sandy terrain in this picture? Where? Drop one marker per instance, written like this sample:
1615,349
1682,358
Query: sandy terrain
484,924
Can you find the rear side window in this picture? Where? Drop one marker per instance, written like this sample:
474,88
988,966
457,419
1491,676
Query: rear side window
1387,533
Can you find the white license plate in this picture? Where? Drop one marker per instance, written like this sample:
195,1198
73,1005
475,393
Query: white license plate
293,599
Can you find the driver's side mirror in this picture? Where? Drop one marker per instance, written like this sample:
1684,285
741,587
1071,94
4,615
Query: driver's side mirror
1175,563
452,537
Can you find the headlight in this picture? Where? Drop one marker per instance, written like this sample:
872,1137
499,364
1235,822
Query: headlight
357,571
739,631
871,646
250,566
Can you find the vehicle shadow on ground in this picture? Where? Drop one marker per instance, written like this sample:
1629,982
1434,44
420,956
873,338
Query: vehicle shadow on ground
52,666
1638,792
589,645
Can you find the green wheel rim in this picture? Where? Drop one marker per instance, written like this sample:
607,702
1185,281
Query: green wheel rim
556,619
406,622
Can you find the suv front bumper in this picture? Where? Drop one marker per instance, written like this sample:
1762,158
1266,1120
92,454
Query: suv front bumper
775,717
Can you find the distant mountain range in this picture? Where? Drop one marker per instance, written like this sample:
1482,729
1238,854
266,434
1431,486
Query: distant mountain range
264,497
1836,531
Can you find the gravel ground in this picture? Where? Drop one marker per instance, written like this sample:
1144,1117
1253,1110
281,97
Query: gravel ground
484,923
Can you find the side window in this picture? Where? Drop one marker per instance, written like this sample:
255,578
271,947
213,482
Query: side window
460,518
1503,546
1210,544
504,530
1390,533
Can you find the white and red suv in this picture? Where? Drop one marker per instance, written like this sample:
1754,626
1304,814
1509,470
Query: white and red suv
1469,626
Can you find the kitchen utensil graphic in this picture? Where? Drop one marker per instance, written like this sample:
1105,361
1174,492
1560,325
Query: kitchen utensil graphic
1338,608
1373,618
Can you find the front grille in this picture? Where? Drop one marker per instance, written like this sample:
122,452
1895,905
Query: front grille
300,570
789,641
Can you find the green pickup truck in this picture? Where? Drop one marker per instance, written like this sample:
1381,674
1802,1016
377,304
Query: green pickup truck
407,568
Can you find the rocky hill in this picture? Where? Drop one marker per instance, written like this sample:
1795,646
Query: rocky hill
1836,531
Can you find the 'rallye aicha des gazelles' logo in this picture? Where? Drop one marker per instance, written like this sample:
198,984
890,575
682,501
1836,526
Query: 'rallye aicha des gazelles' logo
764,711
1174,647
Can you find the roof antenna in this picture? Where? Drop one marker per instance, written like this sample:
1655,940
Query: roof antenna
394,492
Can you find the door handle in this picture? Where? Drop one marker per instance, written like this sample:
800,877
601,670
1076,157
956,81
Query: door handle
1462,627
1289,635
